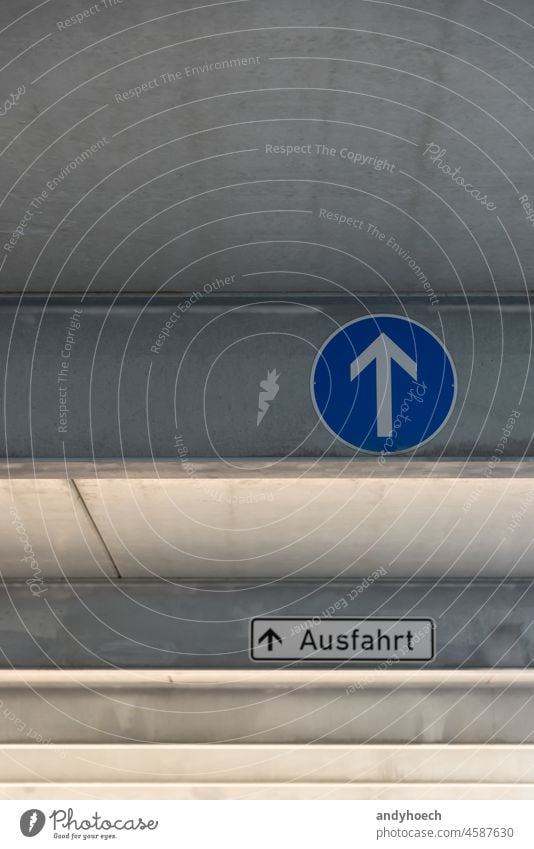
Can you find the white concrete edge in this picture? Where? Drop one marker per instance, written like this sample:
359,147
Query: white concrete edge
271,467
231,786
319,748
251,792
40,678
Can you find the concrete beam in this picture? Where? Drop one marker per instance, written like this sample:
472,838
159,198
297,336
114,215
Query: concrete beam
196,393
481,624
184,766
267,707
267,791
253,519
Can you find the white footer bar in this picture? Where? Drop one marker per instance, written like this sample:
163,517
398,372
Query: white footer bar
264,824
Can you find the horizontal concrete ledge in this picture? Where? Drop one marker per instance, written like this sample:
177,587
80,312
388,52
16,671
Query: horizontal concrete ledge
255,519
65,301
230,764
206,625
252,468
287,708
126,378
286,678
189,624
290,791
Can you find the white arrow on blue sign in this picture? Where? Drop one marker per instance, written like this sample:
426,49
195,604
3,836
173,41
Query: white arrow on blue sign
384,384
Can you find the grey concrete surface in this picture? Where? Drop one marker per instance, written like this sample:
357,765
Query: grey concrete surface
188,625
195,393
253,468
147,155
44,525
274,707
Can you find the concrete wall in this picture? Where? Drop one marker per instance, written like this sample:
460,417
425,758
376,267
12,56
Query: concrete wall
184,184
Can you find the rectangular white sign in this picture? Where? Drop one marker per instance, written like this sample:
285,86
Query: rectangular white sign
341,638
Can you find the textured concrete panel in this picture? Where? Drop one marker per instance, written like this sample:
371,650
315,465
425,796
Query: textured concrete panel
314,526
229,765
153,148
283,707
47,533
172,378
183,624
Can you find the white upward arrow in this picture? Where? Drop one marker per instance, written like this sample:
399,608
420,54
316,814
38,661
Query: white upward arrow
383,350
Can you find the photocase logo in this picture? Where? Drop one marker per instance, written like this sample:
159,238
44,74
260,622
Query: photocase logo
269,388
32,822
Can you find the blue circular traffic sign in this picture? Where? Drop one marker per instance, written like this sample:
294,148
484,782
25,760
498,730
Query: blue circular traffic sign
383,384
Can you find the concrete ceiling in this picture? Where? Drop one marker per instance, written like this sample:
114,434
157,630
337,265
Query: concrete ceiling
141,153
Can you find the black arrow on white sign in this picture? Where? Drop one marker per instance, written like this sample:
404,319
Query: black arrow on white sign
270,636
